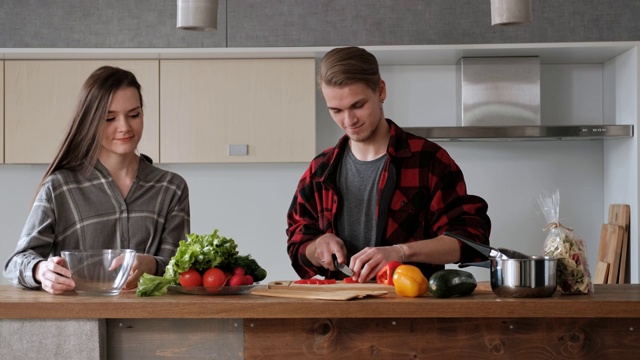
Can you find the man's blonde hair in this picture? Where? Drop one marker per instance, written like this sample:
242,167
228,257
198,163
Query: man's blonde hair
344,66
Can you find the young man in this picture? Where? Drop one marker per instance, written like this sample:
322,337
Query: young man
381,193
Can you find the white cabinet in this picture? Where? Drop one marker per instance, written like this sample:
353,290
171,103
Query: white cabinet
210,108
41,96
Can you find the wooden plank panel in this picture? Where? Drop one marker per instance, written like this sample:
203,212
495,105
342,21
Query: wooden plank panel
441,338
609,250
607,301
619,214
602,273
174,338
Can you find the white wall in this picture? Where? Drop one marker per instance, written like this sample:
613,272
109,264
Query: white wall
622,103
248,202
510,176
245,202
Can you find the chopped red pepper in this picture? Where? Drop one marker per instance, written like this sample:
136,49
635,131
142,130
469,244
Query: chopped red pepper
385,275
315,281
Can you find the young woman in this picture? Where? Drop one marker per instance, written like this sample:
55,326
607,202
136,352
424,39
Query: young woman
98,193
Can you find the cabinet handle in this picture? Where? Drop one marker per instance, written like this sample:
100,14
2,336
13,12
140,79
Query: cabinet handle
238,149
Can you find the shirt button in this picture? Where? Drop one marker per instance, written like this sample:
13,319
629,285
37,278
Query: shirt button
123,207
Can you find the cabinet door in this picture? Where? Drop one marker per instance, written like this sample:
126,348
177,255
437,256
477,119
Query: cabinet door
41,97
210,106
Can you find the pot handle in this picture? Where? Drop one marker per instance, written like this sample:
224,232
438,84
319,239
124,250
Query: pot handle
483,249
484,264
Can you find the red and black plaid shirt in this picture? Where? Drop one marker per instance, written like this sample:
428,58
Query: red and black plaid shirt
429,198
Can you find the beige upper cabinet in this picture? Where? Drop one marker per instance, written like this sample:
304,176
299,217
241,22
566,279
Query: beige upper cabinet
1,112
237,110
41,96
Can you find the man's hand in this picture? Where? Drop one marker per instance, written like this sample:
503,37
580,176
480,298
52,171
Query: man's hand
321,251
369,261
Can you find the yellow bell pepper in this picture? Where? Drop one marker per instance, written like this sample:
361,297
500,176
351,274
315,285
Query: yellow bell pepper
408,281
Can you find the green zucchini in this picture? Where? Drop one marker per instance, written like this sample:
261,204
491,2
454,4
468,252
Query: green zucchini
451,282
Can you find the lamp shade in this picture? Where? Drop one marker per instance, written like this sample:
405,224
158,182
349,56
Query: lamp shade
511,12
197,15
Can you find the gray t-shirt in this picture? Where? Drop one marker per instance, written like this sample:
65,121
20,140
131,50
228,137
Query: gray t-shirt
358,190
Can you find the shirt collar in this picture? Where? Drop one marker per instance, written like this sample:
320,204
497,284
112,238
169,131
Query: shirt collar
398,147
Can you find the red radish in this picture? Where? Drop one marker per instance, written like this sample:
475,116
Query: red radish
248,280
236,280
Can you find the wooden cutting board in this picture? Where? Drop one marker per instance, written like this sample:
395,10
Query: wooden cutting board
339,285
602,273
609,250
620,214
337,291
295,293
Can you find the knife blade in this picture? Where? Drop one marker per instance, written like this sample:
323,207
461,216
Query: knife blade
342,267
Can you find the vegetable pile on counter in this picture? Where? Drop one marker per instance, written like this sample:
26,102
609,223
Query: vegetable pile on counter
204,260
408,281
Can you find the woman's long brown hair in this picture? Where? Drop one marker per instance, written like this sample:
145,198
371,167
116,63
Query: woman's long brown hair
81,146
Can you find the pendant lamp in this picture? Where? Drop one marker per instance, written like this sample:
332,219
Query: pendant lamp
197,15
511,12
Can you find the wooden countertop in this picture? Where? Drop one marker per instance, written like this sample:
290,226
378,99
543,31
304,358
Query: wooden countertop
607,301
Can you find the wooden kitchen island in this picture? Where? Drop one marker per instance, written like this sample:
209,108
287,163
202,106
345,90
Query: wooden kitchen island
603,325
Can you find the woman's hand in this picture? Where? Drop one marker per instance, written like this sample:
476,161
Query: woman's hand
144,263
54,276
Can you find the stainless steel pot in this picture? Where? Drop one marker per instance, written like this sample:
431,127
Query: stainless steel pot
524,276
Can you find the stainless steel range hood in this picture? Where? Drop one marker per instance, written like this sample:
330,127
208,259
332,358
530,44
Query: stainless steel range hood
499,99
521,133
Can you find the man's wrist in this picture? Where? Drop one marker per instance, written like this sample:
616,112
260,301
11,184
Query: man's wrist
402,252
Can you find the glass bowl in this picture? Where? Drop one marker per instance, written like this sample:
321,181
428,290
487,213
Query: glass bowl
99,272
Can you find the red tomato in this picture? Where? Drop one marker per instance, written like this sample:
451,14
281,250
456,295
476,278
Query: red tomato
248,280
214,277
385,275
190,277
236,280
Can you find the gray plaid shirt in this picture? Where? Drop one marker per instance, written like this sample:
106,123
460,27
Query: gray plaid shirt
73,211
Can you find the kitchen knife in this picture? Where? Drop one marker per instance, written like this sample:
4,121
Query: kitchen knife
342,267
